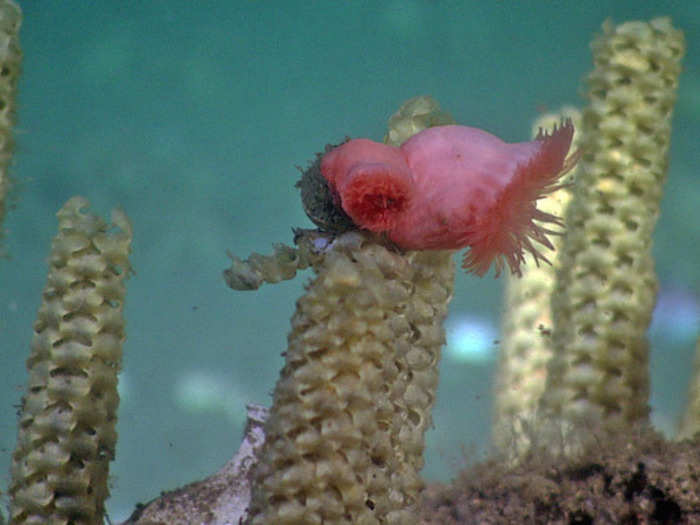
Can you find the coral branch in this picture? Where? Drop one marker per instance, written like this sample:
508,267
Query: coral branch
606,287
10,61
690,424
527,324
67,433
345,433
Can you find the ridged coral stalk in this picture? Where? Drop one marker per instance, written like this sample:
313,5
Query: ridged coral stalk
526,342
67,422
415,115
10,61
690,424
606,289
344,439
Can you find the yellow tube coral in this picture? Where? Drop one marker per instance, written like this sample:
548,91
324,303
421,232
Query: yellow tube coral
606,287
690,423
283,264
67,433
10,60
344,439
526,343
415,115
345,436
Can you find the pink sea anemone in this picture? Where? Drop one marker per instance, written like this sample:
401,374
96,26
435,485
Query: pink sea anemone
451,187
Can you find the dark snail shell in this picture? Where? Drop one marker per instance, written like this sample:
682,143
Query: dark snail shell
318,200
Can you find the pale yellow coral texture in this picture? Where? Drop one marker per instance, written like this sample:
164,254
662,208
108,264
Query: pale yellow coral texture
10,61
344,440
526,342
67,433
606,287
690,423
